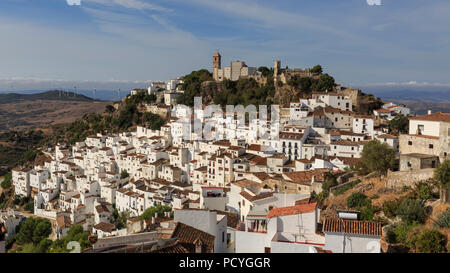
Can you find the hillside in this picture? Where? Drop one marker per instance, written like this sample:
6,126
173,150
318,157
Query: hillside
37,113
382,204
49,95
248,91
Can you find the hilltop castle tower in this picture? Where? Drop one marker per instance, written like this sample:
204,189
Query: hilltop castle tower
276,70
217,65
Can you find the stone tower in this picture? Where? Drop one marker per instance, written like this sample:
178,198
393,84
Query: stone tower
276,70
217,65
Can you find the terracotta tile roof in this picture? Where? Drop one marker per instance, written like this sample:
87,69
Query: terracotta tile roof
245,183
445,117
261,175
259,160
386,136
292,210
106,227
232,218
422,136
172,248
348,143
351,161
352,227
189,236
321,250
306,176
63,221
286,135
252,198
254,147
102,208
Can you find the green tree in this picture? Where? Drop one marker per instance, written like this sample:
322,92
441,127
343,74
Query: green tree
41,231
399,125
124,174
325,82
74,234
411,210
376,156
33,230
266,72
429,241
357,200
317,69
442,177
159,209
7,181
110,109
119,219
192,86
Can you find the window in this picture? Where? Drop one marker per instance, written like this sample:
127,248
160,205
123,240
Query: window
420,128
430,146
223,236
409,143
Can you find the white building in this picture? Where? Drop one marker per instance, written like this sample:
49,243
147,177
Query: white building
352,236
363,124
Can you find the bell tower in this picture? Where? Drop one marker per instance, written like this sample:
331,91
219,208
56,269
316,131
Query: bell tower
217,65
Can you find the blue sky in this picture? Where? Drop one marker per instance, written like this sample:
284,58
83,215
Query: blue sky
121,43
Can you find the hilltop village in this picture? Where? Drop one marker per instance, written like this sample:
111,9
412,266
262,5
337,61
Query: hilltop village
170,190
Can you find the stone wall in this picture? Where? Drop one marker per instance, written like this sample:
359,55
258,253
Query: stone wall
407,178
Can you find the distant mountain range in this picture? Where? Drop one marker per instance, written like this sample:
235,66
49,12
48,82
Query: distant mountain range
81,95
411,95
49,95
418,101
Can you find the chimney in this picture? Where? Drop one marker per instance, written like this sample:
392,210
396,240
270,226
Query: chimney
429,112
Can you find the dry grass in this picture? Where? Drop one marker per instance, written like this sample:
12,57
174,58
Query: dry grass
374,188
42,113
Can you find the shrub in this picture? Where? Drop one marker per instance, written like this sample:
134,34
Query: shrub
444,219
424,191
411,210
428,241
7,181
399,233
390,208
124,174
357,200
368,212
29,206
159,209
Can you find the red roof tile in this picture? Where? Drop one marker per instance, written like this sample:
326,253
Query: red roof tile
352,226
292,210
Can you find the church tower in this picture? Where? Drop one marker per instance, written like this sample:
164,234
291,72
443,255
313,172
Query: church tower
217,65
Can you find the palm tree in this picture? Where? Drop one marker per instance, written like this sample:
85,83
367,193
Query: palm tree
442,177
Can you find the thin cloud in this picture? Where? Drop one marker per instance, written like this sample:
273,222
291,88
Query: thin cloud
130,4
